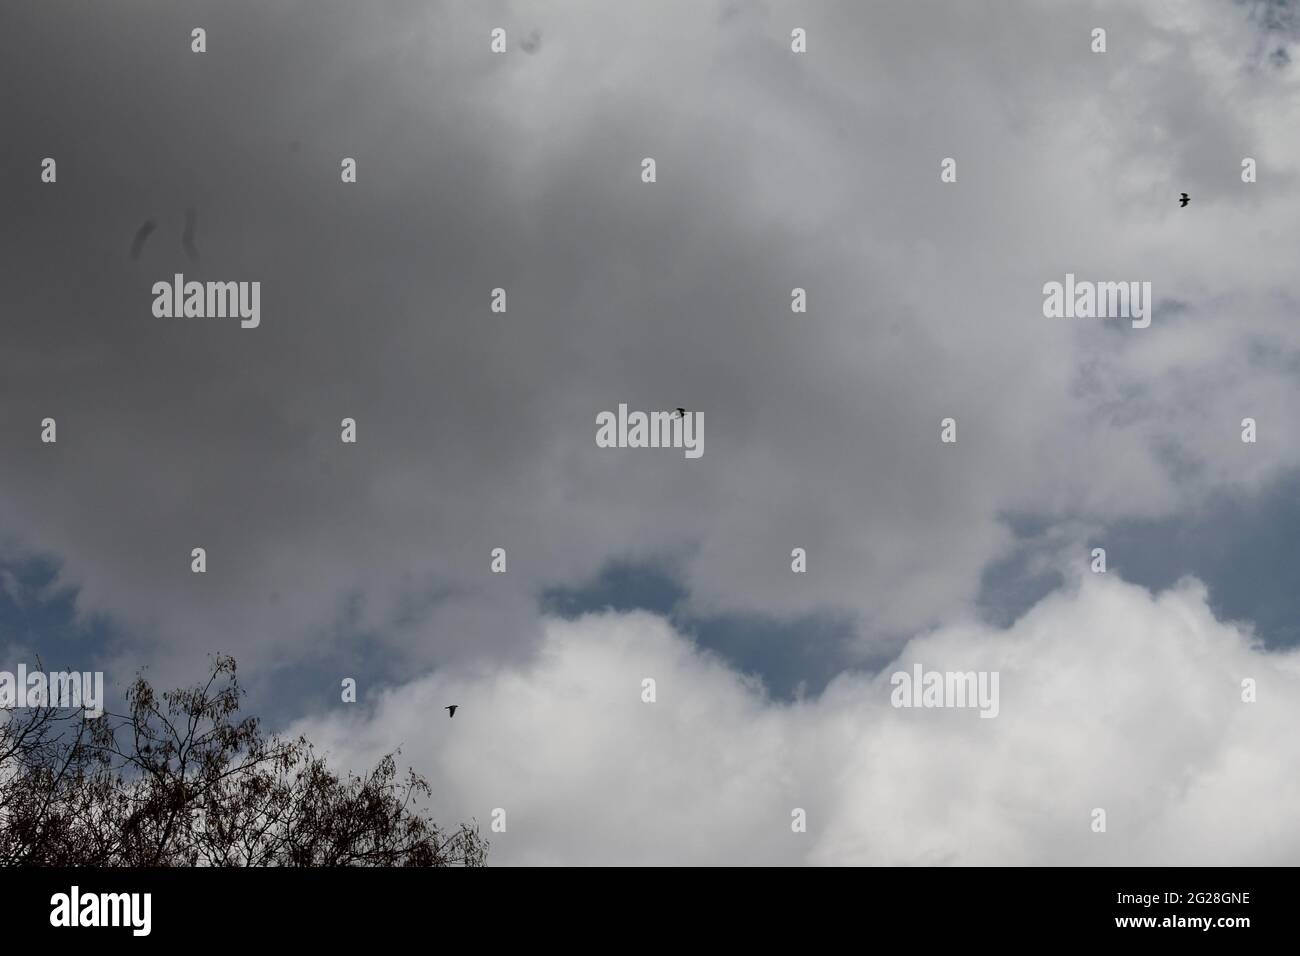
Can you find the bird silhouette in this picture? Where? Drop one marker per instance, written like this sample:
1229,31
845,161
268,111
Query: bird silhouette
451,710
1184,200
187,237
679,413
141,235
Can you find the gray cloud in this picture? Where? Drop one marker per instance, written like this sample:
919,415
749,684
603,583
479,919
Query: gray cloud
476,430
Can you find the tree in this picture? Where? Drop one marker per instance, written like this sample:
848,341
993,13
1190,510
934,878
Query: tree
180,780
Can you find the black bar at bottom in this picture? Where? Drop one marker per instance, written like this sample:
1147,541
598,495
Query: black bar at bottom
1220,905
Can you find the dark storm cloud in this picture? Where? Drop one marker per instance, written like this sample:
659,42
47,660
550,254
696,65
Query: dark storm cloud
476,429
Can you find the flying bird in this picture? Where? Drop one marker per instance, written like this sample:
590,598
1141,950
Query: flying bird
187,237
141,235
1184,200
451,710
679,413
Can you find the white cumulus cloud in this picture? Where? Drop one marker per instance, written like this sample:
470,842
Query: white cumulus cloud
1111,698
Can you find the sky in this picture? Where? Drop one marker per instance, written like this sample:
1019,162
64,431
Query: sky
476,429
